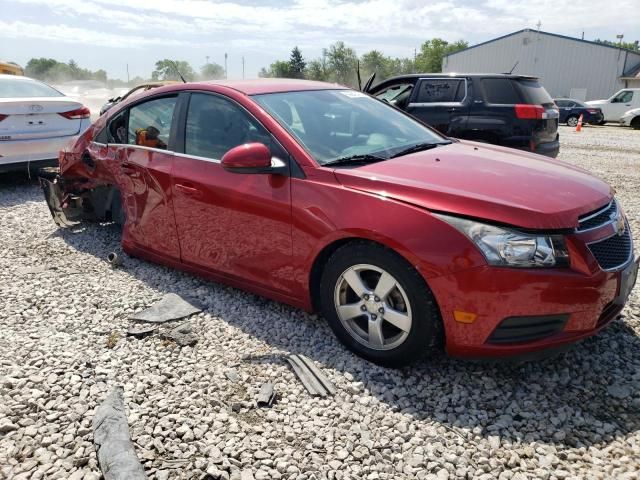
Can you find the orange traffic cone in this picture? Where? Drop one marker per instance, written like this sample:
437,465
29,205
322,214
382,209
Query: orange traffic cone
579,125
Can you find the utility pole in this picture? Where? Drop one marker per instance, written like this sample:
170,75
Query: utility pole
243,67
225,66
127,73
207,57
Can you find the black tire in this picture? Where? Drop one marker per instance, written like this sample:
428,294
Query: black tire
635,123
572,120
425,334
601,122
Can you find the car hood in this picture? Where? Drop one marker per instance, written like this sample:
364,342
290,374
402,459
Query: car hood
487,182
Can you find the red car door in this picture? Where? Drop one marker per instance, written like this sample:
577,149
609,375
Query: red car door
237,225
143,168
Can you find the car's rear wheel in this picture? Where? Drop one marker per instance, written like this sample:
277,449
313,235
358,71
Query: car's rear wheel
378,305
572,120
635,123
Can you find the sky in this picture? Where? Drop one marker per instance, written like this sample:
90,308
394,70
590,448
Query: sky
111,34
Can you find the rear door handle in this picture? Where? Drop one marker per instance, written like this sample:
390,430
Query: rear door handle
188,190
129,170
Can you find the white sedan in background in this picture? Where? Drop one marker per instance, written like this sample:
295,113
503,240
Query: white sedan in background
36,122
631,119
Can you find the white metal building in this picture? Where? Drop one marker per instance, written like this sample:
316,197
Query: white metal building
566,66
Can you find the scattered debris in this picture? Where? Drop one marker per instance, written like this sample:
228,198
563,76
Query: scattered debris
266,396
316,383
182,335
141,330
112,339
170,307
29,270
114,260
116,455
232,375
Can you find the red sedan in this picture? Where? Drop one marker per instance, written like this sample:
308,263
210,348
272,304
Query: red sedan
327,199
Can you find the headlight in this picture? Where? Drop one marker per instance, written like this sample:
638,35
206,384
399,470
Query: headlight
510,248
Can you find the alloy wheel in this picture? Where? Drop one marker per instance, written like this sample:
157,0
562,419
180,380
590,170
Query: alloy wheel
572,121
373,307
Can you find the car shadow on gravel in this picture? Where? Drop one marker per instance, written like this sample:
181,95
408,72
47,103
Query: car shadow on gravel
587,396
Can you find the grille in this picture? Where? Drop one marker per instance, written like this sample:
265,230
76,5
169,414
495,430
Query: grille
613,252
598,217
527,329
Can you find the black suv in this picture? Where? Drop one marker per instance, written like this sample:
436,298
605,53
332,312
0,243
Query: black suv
510,110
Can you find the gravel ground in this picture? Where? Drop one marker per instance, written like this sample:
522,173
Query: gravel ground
62,348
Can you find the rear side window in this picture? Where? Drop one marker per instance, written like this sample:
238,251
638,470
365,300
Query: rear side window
440,90
117,129
499,91
150,123
533,93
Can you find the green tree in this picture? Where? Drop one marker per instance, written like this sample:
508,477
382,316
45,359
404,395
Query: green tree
297,64
628,45
375,62
264,73
100,75
342,62
278,69
318,69
38,67
211,71
171,69
433,51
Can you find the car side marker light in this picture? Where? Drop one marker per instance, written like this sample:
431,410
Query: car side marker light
464,317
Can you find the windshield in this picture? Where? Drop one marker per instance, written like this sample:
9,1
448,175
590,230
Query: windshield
21,88
336,124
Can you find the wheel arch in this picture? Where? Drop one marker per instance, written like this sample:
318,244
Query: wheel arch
321,258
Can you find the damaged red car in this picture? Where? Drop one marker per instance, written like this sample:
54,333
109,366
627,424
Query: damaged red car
333,201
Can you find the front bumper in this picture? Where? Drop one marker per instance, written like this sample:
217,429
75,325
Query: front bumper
584,303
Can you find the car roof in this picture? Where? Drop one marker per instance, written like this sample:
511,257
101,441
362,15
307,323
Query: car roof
460,74
270,85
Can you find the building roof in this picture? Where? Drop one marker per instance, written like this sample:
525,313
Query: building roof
543,33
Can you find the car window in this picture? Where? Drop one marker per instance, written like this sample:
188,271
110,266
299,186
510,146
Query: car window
440,90
22,88
623,97
332,124
117,129
533,93
499,91
393,91
562,103
215,125
150,122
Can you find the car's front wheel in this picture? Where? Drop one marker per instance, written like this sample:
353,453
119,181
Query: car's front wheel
378,305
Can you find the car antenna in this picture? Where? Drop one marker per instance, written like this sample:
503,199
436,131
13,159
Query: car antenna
358,72
514,67
175,67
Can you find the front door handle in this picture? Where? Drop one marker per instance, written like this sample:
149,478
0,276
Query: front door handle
451,110
188,190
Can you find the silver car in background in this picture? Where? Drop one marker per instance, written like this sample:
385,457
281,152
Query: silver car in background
36,122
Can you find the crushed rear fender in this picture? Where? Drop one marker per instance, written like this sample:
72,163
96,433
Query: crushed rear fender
71,202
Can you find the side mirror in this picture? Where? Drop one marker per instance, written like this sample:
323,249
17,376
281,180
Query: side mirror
251,158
